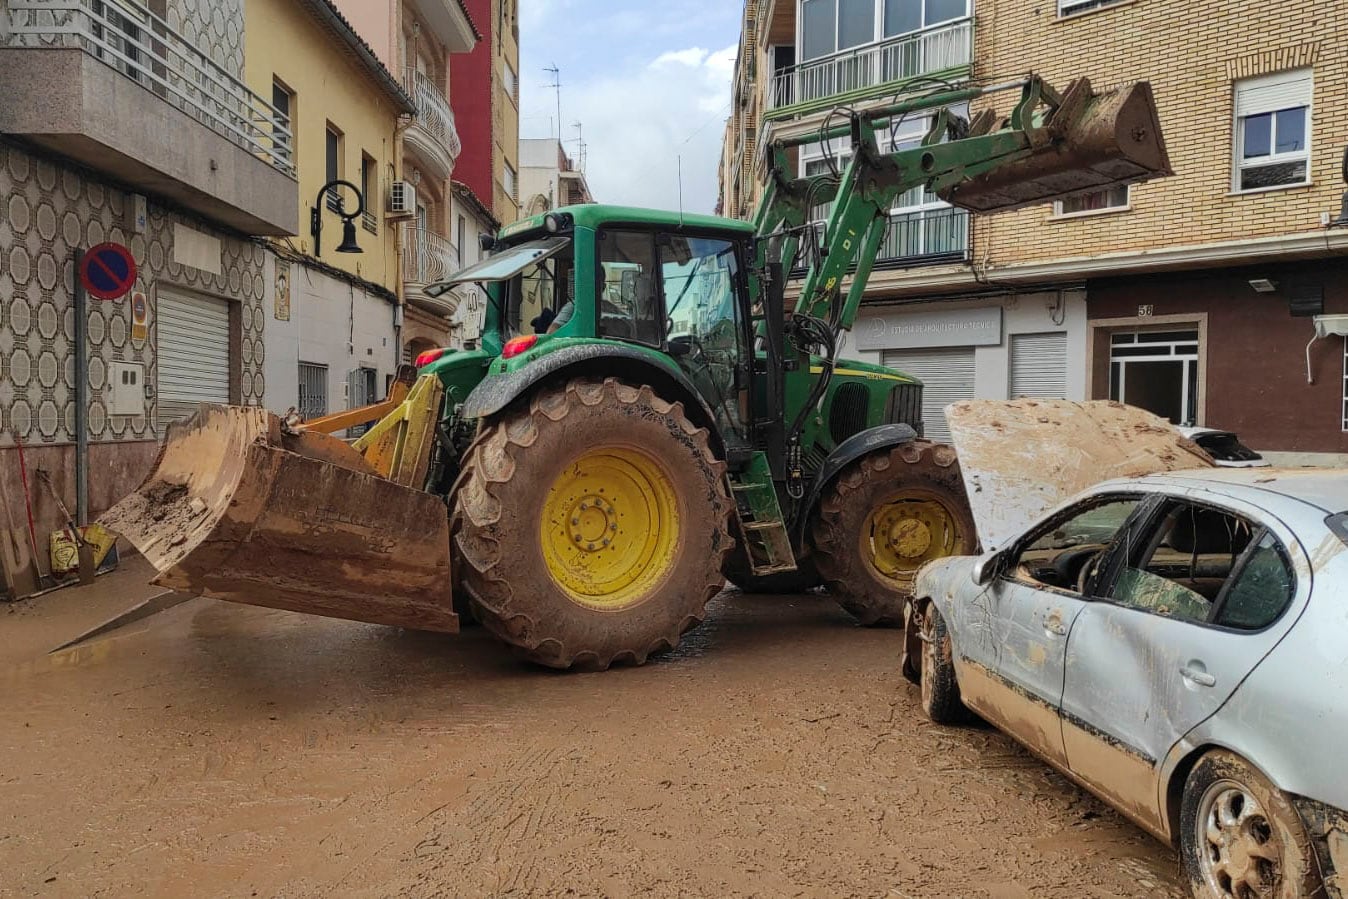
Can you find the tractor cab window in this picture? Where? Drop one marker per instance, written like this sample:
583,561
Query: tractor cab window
628,287
702,321
531,285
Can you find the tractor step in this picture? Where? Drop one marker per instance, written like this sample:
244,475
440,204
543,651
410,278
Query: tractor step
767,540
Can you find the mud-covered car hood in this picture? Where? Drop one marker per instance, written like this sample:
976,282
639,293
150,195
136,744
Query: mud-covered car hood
1019,458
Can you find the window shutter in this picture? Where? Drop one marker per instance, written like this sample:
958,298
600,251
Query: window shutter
1272,93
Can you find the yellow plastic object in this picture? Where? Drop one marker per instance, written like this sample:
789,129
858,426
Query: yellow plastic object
610,528
398,446
65,551
902,536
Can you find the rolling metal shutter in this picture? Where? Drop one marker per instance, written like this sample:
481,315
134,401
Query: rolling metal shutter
193,354
1039,365
948,377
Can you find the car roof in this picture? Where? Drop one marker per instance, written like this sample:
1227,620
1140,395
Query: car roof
1323,488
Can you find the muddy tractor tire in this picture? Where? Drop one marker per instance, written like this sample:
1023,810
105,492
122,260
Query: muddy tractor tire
883,518
738,573
591,525
1240,835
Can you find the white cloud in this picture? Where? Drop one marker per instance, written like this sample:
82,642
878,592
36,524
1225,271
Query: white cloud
641,116
693,56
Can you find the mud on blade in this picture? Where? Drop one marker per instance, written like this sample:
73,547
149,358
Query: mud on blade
235,509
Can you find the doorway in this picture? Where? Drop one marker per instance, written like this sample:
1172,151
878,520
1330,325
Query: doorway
1156,371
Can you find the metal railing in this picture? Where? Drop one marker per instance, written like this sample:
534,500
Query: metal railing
434,113
139,44
892,59
427,257
922,237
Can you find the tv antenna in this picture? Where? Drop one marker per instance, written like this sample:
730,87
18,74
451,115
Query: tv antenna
556,85
581,146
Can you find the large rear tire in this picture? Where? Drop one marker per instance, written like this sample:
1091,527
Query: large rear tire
591,525
888,514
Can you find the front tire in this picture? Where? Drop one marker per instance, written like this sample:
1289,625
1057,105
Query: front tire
1240,837
591,525
884,517
940,690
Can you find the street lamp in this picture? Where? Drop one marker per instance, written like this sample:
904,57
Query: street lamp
348,244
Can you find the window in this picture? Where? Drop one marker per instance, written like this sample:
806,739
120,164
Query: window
830,26
1345,385
461,238
699,278
1068,551
1156,371
283,101
1070,7
510,183
629,287
510,81
313,399
1111,200
334,159
1197,561
1273,126
369,189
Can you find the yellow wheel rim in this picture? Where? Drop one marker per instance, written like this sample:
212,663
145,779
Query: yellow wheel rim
610,528
903,535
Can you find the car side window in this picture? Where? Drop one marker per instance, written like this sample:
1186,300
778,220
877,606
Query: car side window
1066,552
1262,589
1183,565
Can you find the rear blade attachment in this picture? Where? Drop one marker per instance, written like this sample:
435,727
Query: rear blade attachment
238,509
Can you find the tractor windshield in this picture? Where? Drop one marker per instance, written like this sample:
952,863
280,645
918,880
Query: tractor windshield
538,300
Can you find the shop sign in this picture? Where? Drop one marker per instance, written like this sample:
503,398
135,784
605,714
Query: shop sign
918,329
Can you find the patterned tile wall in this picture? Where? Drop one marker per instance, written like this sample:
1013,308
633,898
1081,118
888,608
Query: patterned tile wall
46,212
214,26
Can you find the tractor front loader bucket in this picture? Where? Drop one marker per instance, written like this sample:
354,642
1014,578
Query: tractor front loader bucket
1094,142
239,507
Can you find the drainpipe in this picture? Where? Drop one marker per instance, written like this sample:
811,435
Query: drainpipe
81,397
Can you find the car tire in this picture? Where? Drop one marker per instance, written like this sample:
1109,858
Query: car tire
1240,835
940,690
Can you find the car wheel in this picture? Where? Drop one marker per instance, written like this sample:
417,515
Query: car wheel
940,691
1240,838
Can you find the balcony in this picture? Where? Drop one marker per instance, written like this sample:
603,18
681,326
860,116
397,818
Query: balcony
427,258
432,136
112,86
934,236
872,69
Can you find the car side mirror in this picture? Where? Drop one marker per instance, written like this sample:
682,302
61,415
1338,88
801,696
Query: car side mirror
987,567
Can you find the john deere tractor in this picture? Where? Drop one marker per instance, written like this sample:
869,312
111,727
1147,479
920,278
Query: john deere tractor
644,417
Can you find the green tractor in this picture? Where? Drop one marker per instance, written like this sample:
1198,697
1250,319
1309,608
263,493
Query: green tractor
646,418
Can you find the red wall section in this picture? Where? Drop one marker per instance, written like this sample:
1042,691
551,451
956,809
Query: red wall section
470,79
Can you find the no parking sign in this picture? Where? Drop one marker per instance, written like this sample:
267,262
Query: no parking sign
107,271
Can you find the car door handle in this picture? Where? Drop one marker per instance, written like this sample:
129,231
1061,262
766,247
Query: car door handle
1198,676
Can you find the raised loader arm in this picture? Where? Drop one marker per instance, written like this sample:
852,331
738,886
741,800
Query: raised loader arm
1053,145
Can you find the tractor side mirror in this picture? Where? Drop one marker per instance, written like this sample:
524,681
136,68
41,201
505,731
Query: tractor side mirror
988,566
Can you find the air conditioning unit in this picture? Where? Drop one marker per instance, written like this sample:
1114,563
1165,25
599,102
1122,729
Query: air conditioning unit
402,198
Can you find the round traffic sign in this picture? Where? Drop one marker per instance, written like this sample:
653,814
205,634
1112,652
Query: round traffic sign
108,271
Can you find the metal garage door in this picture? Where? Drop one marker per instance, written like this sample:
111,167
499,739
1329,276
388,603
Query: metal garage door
947,375
1039,365
193,353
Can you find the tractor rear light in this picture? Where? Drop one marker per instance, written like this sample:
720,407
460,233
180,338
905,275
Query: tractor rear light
516,345
429,356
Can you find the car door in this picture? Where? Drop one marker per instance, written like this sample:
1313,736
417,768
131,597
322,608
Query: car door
1010,641
1185,613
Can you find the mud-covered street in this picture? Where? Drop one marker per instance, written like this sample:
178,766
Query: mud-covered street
214,749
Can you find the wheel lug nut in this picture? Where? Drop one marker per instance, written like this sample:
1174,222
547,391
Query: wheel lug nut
613,527
575,521
590,546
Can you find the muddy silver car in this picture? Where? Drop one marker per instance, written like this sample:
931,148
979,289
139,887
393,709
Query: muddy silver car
1176,643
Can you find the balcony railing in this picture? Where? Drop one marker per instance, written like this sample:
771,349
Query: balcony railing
133,40
433,110
924,237
427,257
893,59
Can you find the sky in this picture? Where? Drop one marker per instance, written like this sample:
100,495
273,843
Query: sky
649,81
